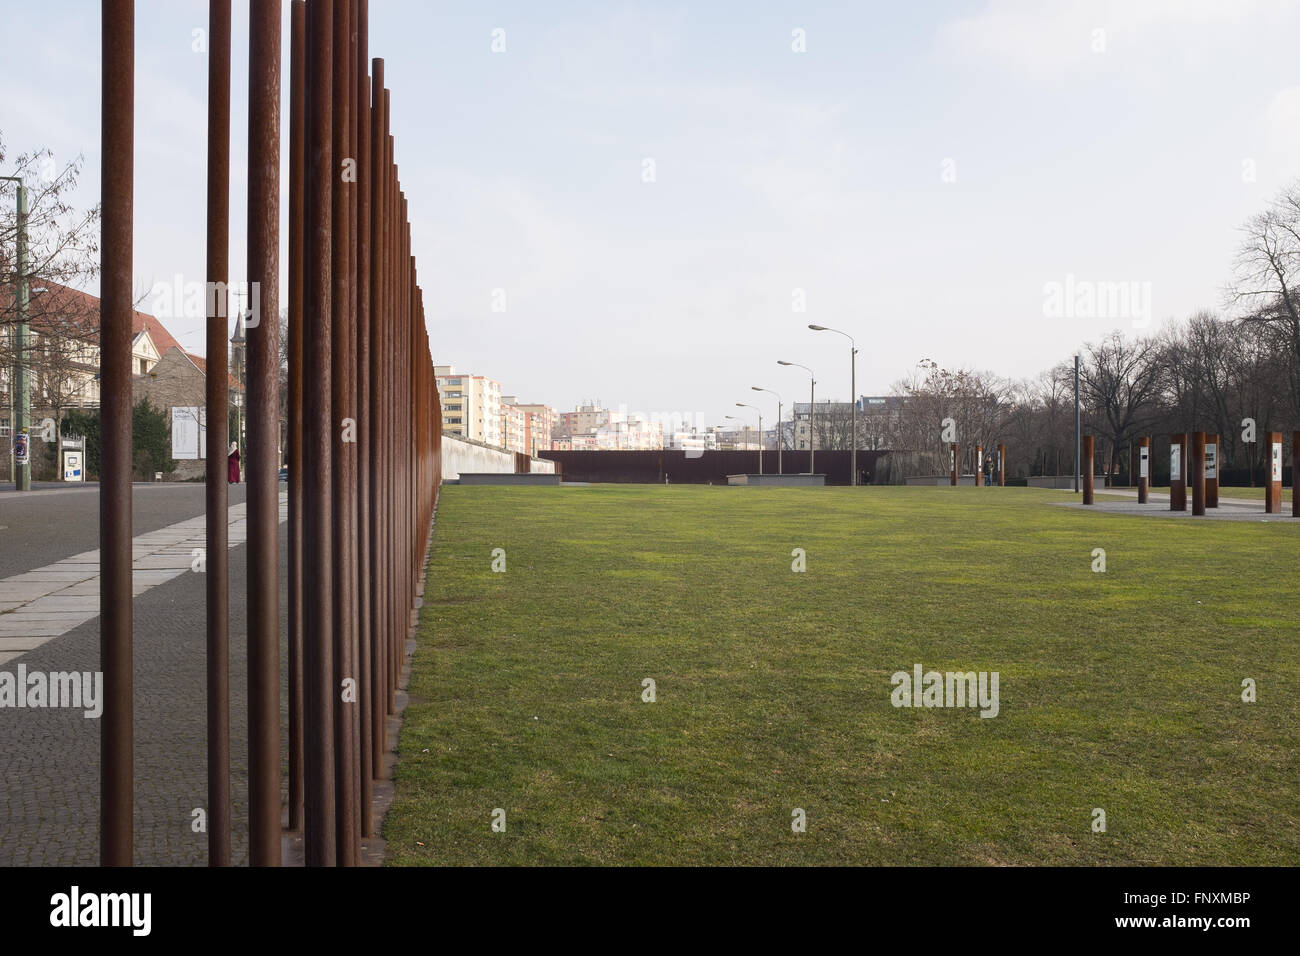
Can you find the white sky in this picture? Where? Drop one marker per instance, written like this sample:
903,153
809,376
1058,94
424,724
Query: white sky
775,171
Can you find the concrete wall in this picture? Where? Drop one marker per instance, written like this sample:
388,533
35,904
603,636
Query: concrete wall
461,454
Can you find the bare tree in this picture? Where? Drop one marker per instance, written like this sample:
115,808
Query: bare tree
1121,381
1266,275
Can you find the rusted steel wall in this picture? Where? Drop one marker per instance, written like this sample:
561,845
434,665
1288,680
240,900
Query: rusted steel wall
710,466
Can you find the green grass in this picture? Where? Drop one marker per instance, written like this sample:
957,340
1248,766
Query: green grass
1119,690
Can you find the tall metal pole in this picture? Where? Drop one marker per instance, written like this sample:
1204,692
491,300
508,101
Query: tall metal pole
343,400
117,139
779,469
216,389
263,363
853,406
297,311
319,690
378,457
365,422
812,432
1076,424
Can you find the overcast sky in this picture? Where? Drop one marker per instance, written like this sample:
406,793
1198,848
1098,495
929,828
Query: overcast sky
919,175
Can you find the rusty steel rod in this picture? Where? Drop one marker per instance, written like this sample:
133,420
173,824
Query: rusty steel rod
365,419
297,228
378,658
217,399
1087,458
116,727
343,399
319,694
264,433
392,303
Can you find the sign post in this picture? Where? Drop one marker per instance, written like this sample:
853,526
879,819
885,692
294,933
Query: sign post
1273,483
1211,471
1087,469
979,465
1144,470
953,449
1178,473
1198,473
1002,464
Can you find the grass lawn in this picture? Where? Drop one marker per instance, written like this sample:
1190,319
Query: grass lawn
1118,690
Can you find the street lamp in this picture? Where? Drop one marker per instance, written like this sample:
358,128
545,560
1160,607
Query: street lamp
735,419
812,408
760,432
779,470
853,394
22,375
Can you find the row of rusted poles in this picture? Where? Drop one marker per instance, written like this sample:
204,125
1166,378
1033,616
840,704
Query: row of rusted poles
364,428
370,420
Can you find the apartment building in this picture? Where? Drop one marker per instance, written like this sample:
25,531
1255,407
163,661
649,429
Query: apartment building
471,405
539,423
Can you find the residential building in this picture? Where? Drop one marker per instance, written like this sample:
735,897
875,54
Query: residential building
539,423
471,405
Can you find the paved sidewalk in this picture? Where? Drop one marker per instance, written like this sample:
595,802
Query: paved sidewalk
38,605
49,757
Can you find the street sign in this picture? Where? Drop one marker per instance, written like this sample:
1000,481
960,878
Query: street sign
1175,462
1277,461
1143,463
72,466
1211,461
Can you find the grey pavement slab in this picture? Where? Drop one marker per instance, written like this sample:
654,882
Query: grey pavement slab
49,758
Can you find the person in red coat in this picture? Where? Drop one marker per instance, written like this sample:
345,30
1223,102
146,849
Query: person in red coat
232,464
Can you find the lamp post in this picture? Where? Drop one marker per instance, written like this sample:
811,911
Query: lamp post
22,375
760,432
812,407
853,394
779,470
735,419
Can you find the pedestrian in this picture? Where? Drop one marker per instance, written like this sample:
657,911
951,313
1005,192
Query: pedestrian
232,464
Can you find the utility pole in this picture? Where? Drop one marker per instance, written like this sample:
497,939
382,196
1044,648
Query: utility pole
22,373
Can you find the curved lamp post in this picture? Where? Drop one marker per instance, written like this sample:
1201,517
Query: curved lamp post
760,432
853,394
812,408
779,470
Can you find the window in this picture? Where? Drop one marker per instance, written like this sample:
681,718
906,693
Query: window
144,366
4,428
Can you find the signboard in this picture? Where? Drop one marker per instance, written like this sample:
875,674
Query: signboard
1143,464
1175,462
1277,461
1211,461
72,466
21,453
189,433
